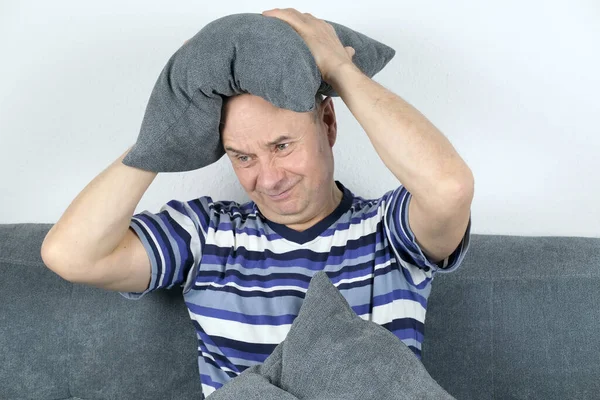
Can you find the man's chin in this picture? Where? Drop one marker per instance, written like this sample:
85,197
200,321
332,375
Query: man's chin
283,213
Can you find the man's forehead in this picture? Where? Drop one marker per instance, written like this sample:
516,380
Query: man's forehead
257,137
251,120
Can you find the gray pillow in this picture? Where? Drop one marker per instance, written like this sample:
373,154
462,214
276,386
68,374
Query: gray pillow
332,353
239,53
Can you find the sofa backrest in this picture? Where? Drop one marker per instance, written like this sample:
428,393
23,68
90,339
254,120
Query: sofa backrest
518,320
62,341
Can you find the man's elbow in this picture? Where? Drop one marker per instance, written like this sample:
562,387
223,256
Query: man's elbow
56,260
461,190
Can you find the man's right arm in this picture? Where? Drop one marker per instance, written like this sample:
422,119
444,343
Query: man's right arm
92,243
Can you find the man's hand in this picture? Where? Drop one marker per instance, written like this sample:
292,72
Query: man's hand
320,37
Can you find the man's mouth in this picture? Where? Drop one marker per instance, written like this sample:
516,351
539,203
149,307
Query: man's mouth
281,195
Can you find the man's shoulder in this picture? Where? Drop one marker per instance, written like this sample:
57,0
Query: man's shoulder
230,207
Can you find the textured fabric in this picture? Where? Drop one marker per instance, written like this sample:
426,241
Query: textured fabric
239,53
244,277
518,320
330,353
131,350
64,341
34,358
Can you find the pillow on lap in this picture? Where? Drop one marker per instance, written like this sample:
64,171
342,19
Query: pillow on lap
332,353
239,53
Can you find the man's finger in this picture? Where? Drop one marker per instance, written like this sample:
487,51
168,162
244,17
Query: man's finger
290,15
293,19
292,11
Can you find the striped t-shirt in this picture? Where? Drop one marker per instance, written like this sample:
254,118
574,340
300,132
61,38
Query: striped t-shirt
244,277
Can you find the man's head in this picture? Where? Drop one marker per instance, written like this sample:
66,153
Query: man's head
282,158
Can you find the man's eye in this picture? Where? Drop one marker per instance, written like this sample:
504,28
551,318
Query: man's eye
282,146
242,158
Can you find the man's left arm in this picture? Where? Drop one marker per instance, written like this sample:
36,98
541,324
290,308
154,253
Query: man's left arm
424,161
418,154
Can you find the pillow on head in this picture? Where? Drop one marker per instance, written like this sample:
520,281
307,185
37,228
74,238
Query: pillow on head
239,53
332,353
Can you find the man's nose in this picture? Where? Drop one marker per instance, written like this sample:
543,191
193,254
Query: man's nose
270,175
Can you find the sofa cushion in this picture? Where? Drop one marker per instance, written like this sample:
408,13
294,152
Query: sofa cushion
61,340
332,353
519,320
34,312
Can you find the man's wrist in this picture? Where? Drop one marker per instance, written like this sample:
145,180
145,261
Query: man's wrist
337,75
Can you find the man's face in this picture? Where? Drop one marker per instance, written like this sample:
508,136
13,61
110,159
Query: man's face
282,158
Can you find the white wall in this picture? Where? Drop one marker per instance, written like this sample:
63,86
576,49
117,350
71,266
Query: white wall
514,86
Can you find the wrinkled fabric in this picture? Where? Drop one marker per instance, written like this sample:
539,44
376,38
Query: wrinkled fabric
239,53
331,353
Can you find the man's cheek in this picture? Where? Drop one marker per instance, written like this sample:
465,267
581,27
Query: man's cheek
299,161
246,178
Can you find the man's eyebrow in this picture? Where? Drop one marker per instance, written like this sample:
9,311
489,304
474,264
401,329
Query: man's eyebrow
229,148
280,139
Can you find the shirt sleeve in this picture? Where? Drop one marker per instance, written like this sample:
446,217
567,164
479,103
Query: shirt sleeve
403,240
173,238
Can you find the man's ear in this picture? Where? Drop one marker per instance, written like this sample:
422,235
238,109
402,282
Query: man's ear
327,116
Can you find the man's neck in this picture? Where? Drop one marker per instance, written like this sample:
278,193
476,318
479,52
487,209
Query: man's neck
330,206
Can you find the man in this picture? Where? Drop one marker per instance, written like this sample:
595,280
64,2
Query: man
245,268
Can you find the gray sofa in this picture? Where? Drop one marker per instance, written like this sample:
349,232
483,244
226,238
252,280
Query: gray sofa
519,320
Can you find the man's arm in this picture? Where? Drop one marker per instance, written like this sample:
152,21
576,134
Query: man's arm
422,159
413,149
409,145
418,154
91,243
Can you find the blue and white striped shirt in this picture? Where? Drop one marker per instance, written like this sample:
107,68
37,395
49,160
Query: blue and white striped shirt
244,277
